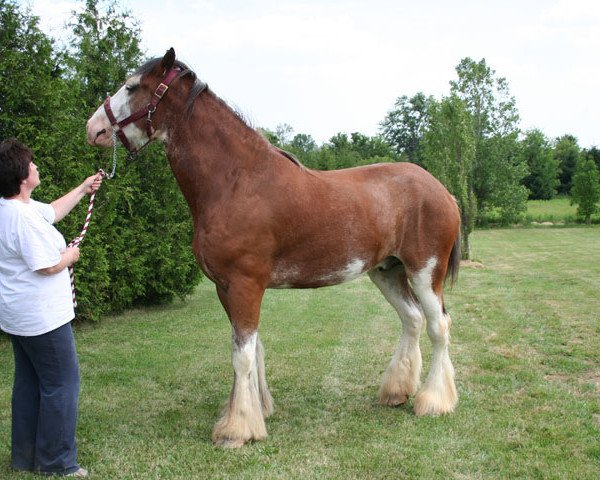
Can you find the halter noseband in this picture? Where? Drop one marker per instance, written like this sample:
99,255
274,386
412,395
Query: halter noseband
146,111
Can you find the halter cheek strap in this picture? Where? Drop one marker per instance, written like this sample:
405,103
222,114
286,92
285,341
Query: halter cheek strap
146,111
113,121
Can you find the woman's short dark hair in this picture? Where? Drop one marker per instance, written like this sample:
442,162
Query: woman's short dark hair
14,166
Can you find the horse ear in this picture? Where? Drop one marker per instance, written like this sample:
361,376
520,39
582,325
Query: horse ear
168,60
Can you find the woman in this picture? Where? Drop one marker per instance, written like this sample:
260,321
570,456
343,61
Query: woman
36,308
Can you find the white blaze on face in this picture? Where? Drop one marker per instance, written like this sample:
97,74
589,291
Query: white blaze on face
99,129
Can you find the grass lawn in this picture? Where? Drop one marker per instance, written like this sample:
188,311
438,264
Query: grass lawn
525,345
558,210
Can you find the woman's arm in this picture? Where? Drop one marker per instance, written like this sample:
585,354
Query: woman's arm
67,258
65,204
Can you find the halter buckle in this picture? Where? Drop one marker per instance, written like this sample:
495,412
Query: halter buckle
160,90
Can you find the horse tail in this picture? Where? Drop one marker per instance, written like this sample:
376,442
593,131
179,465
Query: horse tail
454,261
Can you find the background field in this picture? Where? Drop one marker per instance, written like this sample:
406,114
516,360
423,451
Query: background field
558,210
525,345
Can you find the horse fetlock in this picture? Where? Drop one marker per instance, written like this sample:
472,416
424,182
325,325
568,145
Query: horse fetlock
400,380
437,397
233,431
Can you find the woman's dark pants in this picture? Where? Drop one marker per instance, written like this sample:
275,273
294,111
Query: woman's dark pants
44,402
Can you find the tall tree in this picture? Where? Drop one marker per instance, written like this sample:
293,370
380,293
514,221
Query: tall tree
594,154
449,154
404,125
566,152
32,94
304,147
487,97
303,143
537,153
105,46
498,171
586,188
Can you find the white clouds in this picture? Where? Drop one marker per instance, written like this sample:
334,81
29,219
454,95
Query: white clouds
330,66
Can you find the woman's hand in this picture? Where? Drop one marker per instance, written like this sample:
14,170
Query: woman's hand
65,204
92,183
72,254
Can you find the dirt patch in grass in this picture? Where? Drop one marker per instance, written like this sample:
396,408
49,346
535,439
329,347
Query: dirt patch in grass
582,382
471,264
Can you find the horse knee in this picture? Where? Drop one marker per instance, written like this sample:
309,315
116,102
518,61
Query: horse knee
244,354
438,329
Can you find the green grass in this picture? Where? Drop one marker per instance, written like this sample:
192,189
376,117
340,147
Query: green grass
525,345
557,211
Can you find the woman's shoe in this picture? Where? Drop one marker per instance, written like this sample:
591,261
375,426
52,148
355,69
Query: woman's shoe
81,473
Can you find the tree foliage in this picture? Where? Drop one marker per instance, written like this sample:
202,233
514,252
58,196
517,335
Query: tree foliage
566,153
487,97
586,188
498,170
449,154
137,249
404,125
341,151
594,154
542,180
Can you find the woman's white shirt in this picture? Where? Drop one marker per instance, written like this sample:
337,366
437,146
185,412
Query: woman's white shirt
31,303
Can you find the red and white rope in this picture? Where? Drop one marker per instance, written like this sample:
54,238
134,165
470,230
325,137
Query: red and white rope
77,240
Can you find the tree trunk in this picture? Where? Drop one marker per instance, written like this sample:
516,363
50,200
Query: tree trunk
465,248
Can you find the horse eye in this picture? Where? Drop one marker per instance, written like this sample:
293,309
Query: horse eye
131,88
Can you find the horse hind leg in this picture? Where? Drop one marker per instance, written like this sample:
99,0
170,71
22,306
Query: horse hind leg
438,395
402,376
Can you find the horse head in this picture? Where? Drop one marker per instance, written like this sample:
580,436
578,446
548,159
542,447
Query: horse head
132,113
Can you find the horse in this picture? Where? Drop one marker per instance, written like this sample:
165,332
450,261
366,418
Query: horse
263,220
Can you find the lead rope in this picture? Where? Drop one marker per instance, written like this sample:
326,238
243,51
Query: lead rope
77,240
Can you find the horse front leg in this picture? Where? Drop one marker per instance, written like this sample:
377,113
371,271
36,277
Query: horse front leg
250,402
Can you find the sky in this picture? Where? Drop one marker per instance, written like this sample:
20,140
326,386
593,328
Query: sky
330,66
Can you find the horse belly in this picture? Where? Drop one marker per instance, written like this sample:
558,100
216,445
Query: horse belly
345,240
296,276
323,263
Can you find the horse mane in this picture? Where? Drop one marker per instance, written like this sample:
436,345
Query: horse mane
198,87
291,157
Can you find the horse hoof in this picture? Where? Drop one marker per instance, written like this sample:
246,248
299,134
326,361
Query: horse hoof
393,400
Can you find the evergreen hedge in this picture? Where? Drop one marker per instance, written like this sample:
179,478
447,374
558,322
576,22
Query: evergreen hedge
137,250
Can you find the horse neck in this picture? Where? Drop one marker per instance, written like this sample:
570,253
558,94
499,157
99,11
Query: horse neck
211,148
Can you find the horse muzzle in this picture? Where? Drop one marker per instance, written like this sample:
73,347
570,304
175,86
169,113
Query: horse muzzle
99,131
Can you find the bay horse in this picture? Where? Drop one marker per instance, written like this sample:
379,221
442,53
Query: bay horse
262,220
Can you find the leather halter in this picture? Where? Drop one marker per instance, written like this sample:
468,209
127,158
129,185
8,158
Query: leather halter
146,111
